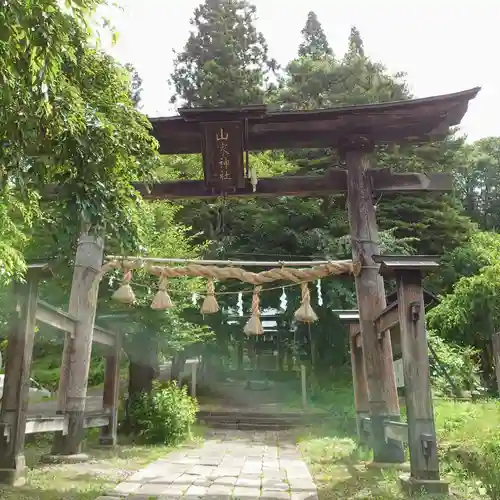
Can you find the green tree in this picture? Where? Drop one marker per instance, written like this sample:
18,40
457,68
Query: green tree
135,85
225,61
435,222
356,79
66,118
80,130
286,228
151,335
478,180
469,313
315,43
327,82
356,45
467,260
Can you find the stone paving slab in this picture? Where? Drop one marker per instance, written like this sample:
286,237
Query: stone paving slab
231,464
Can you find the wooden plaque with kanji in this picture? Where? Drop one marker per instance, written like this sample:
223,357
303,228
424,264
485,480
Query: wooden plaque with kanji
223,155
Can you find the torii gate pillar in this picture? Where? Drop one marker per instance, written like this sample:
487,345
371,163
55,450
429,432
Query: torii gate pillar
377,352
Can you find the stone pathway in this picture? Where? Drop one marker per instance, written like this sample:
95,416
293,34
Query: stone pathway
230,465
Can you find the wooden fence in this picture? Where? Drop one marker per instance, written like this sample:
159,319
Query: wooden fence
15,422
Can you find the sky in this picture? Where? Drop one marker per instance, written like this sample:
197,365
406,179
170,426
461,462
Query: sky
442,45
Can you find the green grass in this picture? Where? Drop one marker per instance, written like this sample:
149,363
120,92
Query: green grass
105,469
469,448
469,435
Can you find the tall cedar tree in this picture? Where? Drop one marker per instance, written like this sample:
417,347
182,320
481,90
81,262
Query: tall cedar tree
225,61
315,43
478,182
356,45
315,83
135,85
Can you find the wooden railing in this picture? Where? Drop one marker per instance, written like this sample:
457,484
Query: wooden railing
59,423
397,431
61,320
15,422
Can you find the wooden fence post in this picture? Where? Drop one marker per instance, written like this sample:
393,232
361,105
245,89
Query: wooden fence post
77,348
424,463
111,393
377,351
303,384
495,344
359,381
17,379
194,370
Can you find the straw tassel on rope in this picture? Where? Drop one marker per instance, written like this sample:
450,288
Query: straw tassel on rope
210,305
162,299
254,326
305,313
125,294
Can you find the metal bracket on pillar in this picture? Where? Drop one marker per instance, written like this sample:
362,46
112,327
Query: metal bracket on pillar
415,309
5,431
428,443
386,320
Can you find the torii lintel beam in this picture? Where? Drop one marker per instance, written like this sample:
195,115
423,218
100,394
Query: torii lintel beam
333,181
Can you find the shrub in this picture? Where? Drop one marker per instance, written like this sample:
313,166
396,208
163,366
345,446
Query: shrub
96,373
165,416
48,378
461,365
47,373
469,434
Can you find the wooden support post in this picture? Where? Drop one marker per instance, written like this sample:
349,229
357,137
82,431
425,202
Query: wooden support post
194,370
240,353
359,382
377,352
280,349
424,464
111,393
303,384
77,348
495,344
17,380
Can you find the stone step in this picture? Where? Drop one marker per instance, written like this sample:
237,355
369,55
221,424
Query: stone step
241,425
251,415
254,420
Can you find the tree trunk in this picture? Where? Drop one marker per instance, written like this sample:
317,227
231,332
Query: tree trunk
486,356
178,363
78,347
140,380
241,351
370,293
281,354
495,344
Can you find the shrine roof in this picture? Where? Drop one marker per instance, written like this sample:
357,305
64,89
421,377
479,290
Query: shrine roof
412,121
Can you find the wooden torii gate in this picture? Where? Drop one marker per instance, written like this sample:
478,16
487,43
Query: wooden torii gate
225,136
403,320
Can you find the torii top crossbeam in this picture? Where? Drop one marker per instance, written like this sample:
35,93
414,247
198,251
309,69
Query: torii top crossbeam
223,135
412,120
